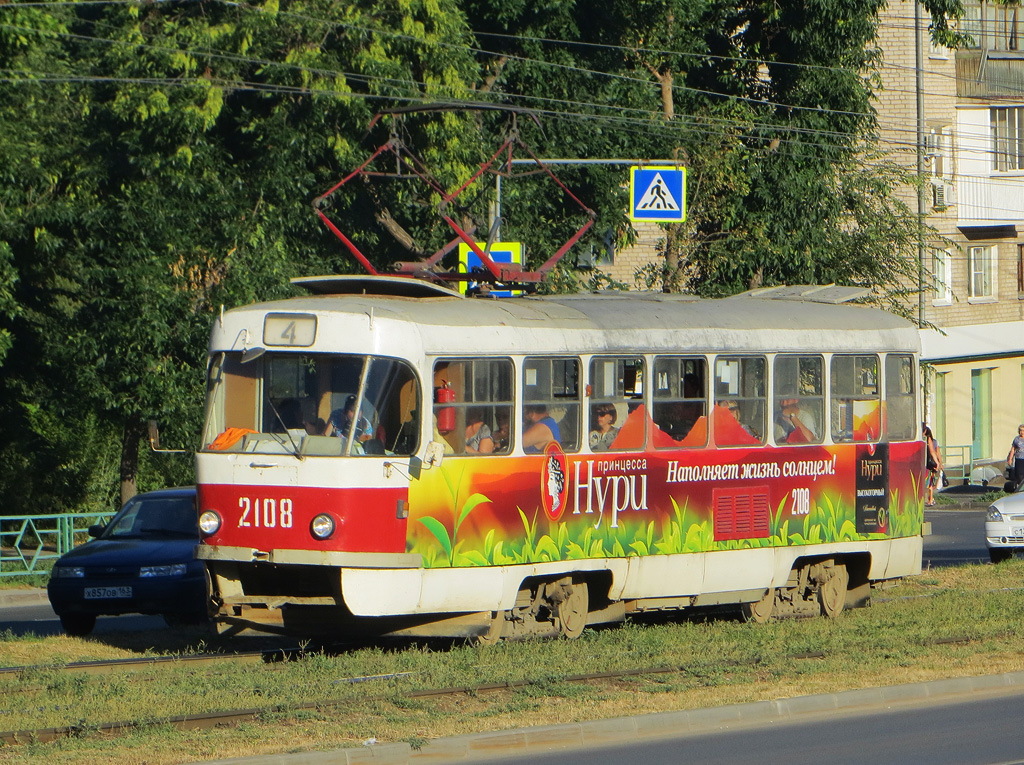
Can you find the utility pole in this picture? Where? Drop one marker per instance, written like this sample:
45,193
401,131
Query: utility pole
919,97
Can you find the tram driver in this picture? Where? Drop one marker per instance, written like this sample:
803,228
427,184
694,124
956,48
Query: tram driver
340,422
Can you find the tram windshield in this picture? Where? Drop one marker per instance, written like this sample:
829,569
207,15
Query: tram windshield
312,404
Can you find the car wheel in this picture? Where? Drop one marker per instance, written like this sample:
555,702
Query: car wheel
78,625
999,554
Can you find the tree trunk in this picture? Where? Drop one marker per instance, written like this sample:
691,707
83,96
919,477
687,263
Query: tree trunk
133,432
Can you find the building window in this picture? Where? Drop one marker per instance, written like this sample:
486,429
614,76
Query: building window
981,283
993,26
1020,270
942,273
1007,137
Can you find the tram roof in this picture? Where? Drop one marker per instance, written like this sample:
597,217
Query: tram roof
776,317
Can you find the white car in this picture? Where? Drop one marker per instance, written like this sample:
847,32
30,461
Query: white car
1004,526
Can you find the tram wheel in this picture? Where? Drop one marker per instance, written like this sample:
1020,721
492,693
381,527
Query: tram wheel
761,610
832,592
573,609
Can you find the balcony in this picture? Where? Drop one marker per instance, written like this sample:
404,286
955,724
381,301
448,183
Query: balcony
990,202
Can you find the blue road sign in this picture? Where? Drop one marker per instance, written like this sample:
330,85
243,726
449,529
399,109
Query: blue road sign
658,194
501,252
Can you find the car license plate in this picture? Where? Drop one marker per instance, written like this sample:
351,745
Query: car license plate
1018,531
101,593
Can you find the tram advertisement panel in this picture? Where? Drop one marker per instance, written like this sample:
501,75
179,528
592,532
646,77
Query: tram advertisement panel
872,484
502,511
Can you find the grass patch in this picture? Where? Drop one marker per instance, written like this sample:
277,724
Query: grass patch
903,637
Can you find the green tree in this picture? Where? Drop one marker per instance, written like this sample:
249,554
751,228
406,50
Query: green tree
176,168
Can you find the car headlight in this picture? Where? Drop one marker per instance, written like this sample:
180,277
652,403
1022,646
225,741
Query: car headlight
68,572
322,526
178,569
993,515
209,522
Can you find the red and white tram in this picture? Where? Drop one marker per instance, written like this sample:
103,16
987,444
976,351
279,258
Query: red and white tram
387,456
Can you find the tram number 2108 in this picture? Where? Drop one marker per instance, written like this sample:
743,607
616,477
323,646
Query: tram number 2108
800,501
265,513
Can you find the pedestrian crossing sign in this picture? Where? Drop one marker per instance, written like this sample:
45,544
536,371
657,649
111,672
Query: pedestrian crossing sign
658,194
501,252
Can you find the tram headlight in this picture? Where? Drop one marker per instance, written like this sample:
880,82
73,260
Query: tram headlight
322,526
209,522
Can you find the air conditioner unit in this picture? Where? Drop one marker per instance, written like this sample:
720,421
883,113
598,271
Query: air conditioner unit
943,195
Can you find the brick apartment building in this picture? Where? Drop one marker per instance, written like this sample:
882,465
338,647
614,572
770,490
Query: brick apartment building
972,134
973,143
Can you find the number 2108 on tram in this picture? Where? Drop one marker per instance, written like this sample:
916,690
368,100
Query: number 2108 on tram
386,456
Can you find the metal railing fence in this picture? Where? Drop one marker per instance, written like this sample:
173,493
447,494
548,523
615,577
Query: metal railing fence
29,542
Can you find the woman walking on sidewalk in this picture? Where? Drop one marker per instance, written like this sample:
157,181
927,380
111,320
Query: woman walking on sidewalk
933,463
1015,459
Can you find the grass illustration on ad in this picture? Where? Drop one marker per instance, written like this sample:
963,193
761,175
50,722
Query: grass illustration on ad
494,539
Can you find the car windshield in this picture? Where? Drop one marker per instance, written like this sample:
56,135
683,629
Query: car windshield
154,516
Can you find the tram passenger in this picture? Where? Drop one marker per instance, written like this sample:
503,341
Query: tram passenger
500,433
479,439
539,430
793,424
729,428
602,419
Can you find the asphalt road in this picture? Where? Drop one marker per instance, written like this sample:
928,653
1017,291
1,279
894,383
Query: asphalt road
958,537
962,731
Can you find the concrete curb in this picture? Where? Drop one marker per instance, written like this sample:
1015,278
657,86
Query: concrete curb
22,596
522,742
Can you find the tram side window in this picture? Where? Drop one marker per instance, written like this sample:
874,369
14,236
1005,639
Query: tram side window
740,396
681,400
855,399
900,400
551,403
799,399
473,405
618,418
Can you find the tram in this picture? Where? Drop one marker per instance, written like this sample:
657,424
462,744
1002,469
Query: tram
387,456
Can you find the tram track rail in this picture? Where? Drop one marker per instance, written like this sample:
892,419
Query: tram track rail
232,717
107,666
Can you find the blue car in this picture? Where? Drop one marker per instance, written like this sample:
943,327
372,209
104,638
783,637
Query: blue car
141,562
